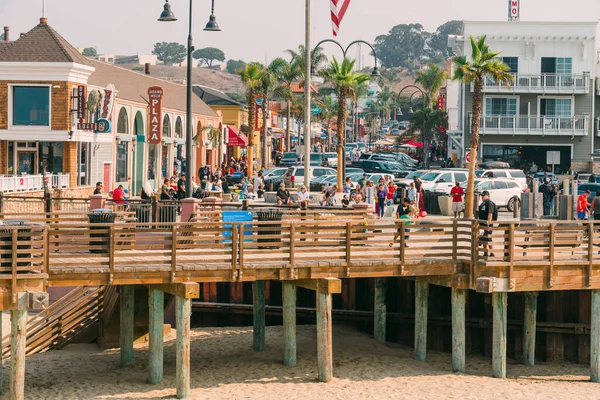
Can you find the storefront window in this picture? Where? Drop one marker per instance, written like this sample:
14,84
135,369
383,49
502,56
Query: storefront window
11,158
83,164
122,154
151,162
51,157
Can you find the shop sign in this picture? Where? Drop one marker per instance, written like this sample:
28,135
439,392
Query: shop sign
108,100
513,9
103,125
155,95
81,98
441,103
86,126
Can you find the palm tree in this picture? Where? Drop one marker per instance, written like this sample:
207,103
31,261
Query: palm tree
328,111
386,99
431,79
288,73
345,80
252,76
484,64
317,59
425,122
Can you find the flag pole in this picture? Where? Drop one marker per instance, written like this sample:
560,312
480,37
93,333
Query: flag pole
307,94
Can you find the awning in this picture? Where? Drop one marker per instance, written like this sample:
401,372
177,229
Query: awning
235,137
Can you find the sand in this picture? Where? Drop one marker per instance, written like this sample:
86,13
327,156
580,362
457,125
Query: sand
225,367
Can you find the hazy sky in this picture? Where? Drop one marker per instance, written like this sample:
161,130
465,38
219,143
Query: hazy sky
259,29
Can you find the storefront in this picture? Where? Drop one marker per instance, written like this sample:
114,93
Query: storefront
529,158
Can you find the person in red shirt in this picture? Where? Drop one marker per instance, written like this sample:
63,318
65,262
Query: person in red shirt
457,194
119,195
582,205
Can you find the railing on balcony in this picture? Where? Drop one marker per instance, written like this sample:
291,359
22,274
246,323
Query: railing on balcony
30,183
540,83
534,125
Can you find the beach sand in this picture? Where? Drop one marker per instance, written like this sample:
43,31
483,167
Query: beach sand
225,367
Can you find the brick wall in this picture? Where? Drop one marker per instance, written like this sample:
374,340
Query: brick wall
60,103
70,161
578,166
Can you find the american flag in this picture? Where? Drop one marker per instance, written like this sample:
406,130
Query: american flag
338,9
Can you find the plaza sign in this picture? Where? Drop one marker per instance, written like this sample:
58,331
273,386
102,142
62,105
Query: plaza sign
155,95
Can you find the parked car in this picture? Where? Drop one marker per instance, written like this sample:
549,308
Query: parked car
494,165
290,159
397,157
316,159
405,182
442,181
352,170
383,167
296,176
403,125
516,174
540,177
582,178
592,187
396,132
274,172
504,192
330,160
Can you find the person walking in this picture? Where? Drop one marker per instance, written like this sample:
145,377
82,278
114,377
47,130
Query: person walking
402,212
258,184
381,198
419,189
370,194
411,193
548,192
457,194
488,212
595,207
181,188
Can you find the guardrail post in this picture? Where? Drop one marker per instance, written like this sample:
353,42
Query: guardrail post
289,323
18,335
1,202
499,334
324,336
595,337
379,319
156,321
421,306
47,200
182,359
529,328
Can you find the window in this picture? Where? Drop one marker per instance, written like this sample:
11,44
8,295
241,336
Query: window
512,185
11,158
500,106
564,66
500,185
460,176
512,62
122,153
151,162
31,106
445,178
166,126
123,121
555,107
500,174
485,186
178,128
51,157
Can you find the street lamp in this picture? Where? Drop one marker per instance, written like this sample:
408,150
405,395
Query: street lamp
212,26
374,73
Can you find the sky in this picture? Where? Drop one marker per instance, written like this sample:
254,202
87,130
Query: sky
260,30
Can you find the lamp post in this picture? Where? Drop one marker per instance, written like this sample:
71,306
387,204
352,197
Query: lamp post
212,26
410,111
374,73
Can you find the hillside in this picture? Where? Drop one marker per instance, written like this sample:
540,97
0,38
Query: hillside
220,80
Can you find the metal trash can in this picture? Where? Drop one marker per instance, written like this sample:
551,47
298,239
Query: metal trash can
100,216
6,242
274,229
143,211
431,202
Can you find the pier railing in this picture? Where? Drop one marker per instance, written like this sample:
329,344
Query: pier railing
540,254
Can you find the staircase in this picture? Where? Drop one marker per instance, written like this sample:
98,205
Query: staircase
65,319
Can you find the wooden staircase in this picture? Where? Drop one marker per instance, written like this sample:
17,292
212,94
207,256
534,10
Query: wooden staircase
66,319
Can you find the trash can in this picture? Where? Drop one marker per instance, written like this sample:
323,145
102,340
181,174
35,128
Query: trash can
142,211
6,243
431,202
100,216
274,229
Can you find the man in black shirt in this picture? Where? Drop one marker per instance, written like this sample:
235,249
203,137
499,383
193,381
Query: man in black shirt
549,192
283,196
99,187
181,188
488,212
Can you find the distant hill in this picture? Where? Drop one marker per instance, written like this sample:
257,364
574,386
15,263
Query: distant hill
224,81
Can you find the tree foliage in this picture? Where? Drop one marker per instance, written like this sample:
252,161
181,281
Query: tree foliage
208,55
407,45
233,66
89,52
252,76
170,53
431,80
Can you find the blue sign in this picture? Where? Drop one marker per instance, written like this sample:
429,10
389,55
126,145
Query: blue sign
314,110
103,125
323,136
236,217
259,101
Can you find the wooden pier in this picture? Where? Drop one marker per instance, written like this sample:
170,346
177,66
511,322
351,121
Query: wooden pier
300,251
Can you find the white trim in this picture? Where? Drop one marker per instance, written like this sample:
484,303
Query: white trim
45,71
522,144
28,128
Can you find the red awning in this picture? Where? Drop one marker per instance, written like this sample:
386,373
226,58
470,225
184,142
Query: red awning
235,137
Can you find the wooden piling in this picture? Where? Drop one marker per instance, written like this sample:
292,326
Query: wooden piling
459,297
258,300
529,328
126,320
595,337
18,334
421,305
156,319
182,359
289,323
499,334
324,337
379,318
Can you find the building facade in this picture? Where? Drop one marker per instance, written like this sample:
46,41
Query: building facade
545,118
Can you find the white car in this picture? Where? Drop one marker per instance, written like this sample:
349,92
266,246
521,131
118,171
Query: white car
515,174
442,181
331,159
503,192
274,172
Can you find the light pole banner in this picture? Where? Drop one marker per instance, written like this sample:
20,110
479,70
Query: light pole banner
155,95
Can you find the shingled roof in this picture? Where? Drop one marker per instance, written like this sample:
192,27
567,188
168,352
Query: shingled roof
214,97
41,44
133,86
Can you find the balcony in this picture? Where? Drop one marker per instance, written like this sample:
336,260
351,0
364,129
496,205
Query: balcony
541,83
540,125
